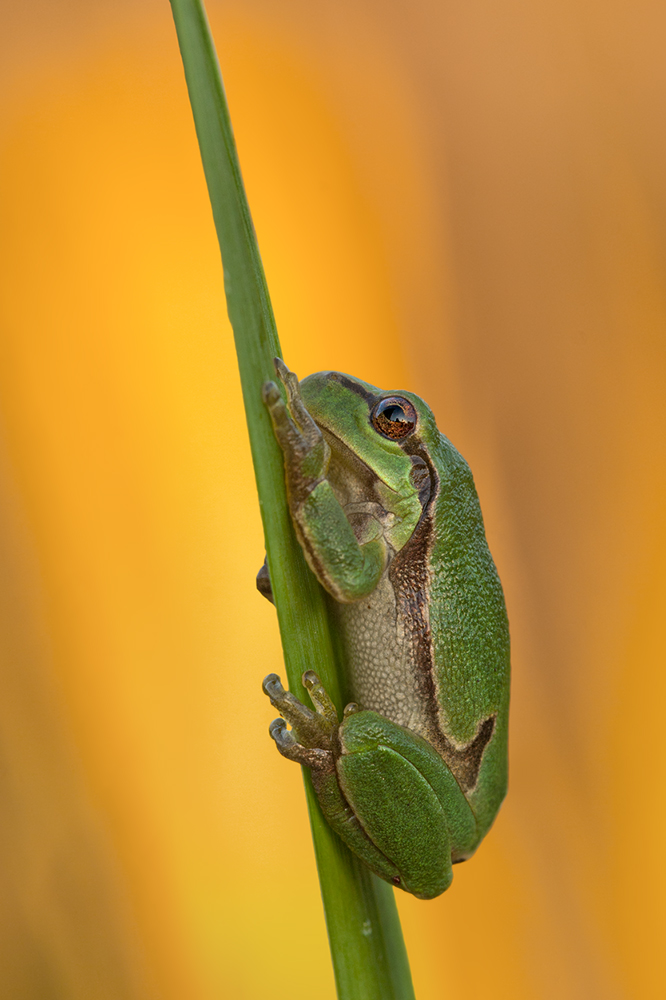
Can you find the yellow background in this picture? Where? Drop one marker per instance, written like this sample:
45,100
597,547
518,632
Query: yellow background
462,199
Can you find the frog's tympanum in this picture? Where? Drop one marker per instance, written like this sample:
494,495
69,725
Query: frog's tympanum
388,517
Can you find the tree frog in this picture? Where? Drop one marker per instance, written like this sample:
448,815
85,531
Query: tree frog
387,514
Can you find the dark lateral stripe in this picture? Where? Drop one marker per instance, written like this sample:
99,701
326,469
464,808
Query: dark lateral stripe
353,386
465,762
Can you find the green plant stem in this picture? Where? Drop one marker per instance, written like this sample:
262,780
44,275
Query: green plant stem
369,956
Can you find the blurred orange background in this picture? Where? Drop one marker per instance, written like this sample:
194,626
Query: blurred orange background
462,199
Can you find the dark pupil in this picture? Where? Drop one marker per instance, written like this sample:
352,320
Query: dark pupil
395,414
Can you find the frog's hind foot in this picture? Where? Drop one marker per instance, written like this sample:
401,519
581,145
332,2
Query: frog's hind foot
311,730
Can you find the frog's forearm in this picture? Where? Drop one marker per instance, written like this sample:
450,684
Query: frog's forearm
347,569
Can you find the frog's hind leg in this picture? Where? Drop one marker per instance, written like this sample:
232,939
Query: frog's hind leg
314,742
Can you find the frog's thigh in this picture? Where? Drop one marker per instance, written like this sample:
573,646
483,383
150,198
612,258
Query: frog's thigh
402,816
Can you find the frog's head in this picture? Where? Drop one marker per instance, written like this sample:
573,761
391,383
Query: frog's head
379,447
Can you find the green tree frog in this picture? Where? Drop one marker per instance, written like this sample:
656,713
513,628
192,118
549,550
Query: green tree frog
387,514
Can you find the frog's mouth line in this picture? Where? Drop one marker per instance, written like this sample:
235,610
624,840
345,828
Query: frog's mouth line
366,478
353,481
346,458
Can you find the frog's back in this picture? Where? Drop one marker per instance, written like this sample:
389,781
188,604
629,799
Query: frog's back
470,635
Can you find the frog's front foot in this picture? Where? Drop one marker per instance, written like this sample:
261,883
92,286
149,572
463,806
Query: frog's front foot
306,451
313,739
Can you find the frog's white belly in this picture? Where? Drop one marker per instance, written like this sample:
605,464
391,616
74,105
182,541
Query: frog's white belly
381,658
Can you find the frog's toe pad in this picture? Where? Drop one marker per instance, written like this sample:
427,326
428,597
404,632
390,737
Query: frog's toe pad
272,686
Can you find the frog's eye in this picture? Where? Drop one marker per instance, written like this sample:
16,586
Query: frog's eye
394,417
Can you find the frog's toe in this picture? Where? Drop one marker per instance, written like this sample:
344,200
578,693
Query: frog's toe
296,406
270,393
320,697
286,742
285,702
283,373
312,757
264,583
288,435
